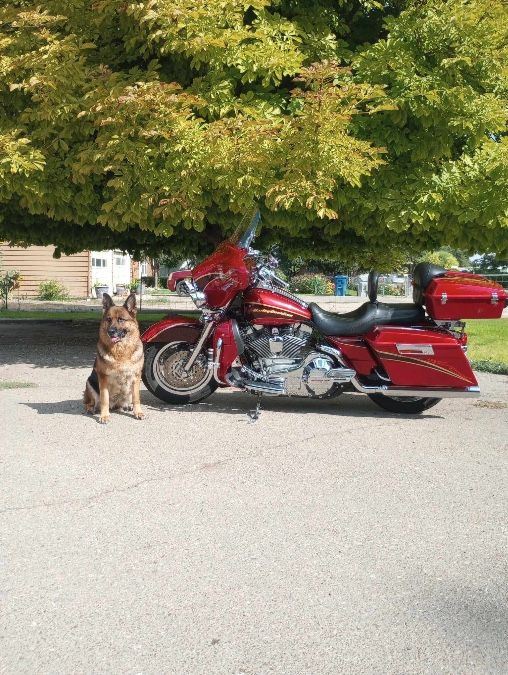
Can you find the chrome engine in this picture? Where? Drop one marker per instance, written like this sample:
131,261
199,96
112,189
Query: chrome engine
275,350
286,361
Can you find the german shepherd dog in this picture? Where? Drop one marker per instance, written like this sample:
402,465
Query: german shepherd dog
115,379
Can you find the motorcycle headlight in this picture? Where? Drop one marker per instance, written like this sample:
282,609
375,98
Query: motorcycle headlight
197,296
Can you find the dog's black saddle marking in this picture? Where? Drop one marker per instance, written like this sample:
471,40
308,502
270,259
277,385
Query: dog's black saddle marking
94,381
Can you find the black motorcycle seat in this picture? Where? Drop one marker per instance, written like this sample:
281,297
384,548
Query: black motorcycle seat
422,276
365,318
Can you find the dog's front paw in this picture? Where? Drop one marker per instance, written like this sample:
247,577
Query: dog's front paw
139,415
104,419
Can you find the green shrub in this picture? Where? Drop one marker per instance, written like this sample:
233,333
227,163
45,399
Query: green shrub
9,281
390,289
312,284
52,290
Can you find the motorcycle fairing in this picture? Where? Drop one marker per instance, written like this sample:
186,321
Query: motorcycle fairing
421,358
222,275
173,329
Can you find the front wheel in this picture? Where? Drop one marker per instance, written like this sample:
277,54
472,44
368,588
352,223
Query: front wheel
164,375
406,405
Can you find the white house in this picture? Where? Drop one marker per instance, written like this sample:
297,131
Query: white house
110,268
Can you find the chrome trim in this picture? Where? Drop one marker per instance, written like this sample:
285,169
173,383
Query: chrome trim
283,292
216,362
467,392
417,349
495,298
199,346
340,374
197,296
333,352
276,344
166,384
259,387
266,388
381,377
444,298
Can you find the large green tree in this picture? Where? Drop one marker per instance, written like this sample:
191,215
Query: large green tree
355,125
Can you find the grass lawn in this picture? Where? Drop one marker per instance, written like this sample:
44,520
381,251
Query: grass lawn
488,344
10,384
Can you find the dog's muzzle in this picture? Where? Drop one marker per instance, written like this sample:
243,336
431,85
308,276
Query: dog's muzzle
116,335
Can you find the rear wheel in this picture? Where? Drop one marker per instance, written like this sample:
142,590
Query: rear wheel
406,405
164,375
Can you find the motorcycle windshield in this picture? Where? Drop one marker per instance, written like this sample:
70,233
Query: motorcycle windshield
244,238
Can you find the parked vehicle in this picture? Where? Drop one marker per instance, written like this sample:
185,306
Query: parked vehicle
176,281
255,336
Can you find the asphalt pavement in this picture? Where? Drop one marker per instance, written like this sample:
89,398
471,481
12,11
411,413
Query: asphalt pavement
326,537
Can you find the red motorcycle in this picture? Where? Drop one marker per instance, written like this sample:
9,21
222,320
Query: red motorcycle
255,336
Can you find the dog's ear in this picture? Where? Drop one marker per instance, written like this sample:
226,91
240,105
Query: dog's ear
107,302
130,304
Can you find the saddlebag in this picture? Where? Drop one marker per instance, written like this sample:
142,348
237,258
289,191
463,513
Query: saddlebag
421,358
462,295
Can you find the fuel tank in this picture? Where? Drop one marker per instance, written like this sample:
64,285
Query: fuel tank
272,308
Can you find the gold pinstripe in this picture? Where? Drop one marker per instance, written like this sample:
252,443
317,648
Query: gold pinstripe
426,364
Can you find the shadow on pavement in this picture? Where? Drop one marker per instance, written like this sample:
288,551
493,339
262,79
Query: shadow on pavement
71,407
49,356
473,619
50,344
240,404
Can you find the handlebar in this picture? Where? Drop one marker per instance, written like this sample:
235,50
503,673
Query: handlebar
265,266
267,274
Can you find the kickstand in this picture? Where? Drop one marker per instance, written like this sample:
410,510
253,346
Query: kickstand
255,414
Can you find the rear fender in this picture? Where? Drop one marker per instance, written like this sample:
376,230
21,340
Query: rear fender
173,329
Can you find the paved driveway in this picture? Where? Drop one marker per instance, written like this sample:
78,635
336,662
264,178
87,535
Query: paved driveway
327,537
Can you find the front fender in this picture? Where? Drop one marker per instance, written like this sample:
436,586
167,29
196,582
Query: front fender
173,329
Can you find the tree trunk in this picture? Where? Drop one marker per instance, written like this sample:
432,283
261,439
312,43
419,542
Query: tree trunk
155,268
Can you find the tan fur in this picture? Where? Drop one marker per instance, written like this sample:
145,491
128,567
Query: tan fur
117,366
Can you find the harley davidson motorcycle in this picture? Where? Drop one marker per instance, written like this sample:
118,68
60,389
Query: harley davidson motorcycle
255,336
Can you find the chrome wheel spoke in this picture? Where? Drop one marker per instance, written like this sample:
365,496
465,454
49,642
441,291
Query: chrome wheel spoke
169,370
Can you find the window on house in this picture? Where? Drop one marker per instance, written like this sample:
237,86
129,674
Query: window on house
120,258
99,262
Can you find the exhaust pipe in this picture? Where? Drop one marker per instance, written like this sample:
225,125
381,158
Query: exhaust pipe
387,390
